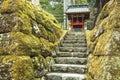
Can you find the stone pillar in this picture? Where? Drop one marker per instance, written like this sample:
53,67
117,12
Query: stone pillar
66,4
65,22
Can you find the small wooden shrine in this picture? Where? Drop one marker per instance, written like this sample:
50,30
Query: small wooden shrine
77,14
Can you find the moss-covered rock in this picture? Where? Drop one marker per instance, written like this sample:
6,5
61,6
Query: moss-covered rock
27,30
29,27
104,68
104,44
42,65
16,68
107,30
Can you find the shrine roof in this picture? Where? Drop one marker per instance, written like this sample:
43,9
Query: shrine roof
78,9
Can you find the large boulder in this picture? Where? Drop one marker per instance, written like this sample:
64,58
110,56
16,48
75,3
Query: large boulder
104,44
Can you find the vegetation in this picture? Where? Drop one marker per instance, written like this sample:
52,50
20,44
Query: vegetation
81,2
54,7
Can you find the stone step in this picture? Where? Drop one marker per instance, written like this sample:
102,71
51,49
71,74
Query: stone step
73,49
65,76
73,45
74,37
70,38
70,60
71,54
73,41
76,33
69,68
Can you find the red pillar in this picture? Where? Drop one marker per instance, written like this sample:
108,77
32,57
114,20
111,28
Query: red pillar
83,22
72,22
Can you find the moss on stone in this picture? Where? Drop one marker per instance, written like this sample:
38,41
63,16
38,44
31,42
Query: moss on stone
104,68
30,25
7,6
42,65
27,31
105,41
106,29
16,67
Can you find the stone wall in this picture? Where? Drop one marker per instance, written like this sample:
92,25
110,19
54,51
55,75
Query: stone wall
104,44
28,35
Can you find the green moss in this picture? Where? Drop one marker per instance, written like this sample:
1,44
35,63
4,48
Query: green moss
19,68
43,32
42,64
32,32
24,44
7,4
48,62
38,62
46,45
37,79
25,23
89,77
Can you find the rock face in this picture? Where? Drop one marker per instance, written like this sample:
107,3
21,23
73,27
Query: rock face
104,44
26,30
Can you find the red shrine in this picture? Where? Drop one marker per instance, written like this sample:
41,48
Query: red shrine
77,14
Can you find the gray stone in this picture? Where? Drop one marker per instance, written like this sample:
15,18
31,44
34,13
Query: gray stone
66,76
73,44
74,41
66,49
71,78
54,77
80,49
40,73
69,68
66,45
71,54
74,37
70,60
80,45
73,49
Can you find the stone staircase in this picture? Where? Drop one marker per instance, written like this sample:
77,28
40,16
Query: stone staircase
70,59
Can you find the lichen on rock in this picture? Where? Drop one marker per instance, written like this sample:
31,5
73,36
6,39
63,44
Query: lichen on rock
16,67
27,30
28,25
104,44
